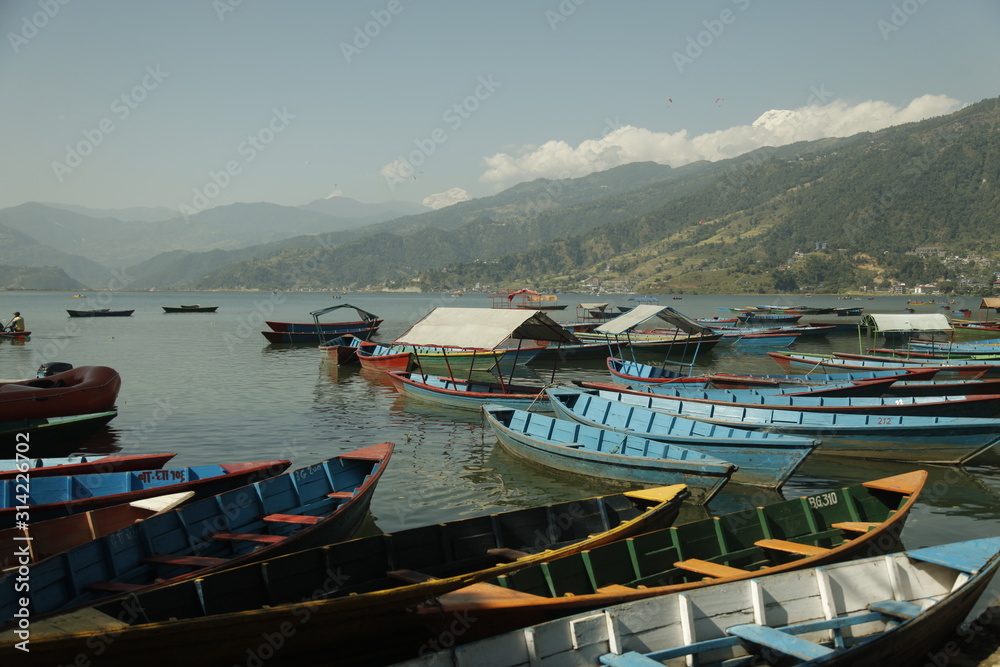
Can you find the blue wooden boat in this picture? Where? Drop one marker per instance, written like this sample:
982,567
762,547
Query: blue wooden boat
347,594
661,380
872,612
639,373
764,459
79,465
321,503
909,438
51,497
742,381
592,452
829,362
468,394
983,406
769,318
869,389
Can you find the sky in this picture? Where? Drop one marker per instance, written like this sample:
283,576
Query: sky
191,104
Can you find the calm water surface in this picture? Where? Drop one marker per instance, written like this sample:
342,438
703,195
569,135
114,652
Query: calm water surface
211,388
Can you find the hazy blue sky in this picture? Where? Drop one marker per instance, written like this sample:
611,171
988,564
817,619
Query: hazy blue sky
115,103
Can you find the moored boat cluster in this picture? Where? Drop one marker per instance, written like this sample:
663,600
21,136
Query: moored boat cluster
242,562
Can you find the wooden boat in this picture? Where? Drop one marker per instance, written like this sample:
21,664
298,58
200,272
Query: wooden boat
347,594
770,318
663,379
763,459
848,312
52,497
869,389
734,380
364,327
102,312
909,438
190,309
465,339
82,390
81,465
42,539
383,359
883,610
828,362
321,503
51,435
982,405
613,457
968,368
529,300
342,350
861,520
14,335
469,394
638,373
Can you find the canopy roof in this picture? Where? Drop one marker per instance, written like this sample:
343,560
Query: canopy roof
363,314
594,306
483,328
990,302
640,314
906,322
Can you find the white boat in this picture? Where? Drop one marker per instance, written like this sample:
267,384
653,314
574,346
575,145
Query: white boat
887,610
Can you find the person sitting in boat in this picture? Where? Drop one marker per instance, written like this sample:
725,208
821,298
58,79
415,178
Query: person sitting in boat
16,324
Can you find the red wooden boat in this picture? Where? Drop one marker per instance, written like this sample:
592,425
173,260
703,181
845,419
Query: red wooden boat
82,465
78,391
47,538
342,350
383,359
52,497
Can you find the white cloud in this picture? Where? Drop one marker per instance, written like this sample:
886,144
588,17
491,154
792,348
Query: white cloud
442,199
336,193
557,159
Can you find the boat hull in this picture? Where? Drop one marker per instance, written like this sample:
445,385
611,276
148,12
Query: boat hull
78,391
908,438
465,394
618,458
763,461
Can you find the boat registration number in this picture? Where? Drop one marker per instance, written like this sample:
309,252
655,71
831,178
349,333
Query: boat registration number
823,500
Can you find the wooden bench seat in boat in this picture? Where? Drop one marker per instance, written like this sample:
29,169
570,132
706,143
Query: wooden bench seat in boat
856,526
249,537
186,561
409,576
792,547
113,587
779,641
292,518
709,568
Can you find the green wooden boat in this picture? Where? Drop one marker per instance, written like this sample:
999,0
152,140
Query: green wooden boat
850,522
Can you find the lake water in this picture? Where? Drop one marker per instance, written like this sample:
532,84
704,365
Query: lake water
209,387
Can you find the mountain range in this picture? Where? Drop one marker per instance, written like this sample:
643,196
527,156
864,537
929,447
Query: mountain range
830,214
